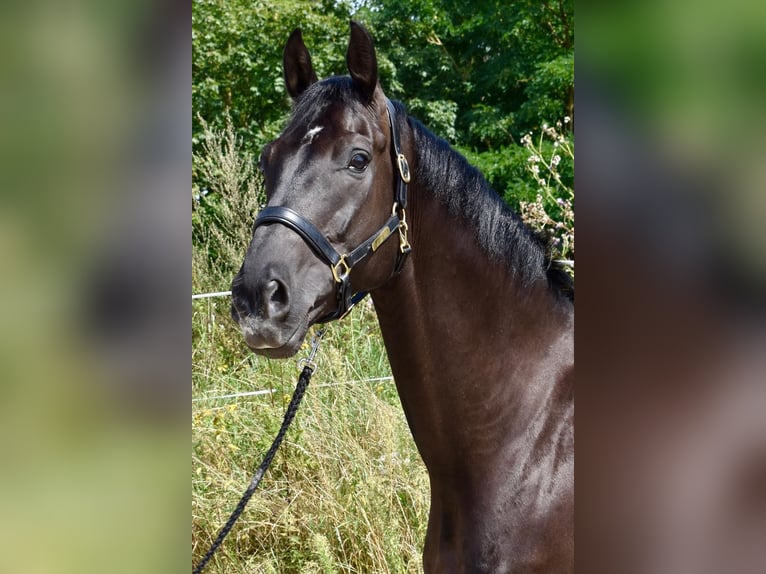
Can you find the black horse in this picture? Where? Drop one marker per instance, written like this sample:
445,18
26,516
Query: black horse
477,321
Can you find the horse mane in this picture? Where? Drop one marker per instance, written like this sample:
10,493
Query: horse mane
500,231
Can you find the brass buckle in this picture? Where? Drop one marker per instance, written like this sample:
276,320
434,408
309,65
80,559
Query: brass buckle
340,277
404,168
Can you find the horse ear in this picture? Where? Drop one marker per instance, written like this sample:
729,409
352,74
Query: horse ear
299,73
361,60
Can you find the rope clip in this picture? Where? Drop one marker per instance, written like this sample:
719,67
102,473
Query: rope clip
308,361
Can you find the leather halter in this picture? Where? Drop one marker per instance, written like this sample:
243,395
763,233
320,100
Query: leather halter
341,265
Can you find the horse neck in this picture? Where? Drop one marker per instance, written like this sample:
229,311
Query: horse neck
466,336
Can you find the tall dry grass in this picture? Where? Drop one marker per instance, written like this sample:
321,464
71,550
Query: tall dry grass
347,491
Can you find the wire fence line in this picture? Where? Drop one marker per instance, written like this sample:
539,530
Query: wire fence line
262,392
567,262
208,295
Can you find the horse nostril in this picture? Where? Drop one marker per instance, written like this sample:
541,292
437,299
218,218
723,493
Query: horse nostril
275,298
279,293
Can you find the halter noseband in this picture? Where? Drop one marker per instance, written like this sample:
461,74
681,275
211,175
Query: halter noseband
341,265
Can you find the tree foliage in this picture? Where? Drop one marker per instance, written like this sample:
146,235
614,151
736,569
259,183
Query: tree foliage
481,75
237,60
500,68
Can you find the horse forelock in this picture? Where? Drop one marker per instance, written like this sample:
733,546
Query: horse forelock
312,105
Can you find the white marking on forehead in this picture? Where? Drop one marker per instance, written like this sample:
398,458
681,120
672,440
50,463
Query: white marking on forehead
311,134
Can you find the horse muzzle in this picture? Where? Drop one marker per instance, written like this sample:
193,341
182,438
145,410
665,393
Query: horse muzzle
262,309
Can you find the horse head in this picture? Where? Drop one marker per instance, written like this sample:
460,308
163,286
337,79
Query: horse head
330,188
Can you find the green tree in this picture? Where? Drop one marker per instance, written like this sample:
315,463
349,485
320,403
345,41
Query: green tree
237,60
481,76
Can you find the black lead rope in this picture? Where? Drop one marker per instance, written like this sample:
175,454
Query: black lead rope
303,381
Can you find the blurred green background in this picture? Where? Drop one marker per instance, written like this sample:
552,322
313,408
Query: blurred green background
95,167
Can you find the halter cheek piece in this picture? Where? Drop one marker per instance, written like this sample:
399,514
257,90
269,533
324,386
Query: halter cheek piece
341,265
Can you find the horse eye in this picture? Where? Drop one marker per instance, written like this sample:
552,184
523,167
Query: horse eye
359,162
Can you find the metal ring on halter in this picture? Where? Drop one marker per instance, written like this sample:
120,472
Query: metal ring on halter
340,277
404,167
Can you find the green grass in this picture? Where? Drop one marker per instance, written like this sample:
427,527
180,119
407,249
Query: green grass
347,491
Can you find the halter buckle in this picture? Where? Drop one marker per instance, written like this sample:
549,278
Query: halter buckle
404,167
337,274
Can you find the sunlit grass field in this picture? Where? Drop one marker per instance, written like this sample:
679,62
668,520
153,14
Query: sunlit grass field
347,491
